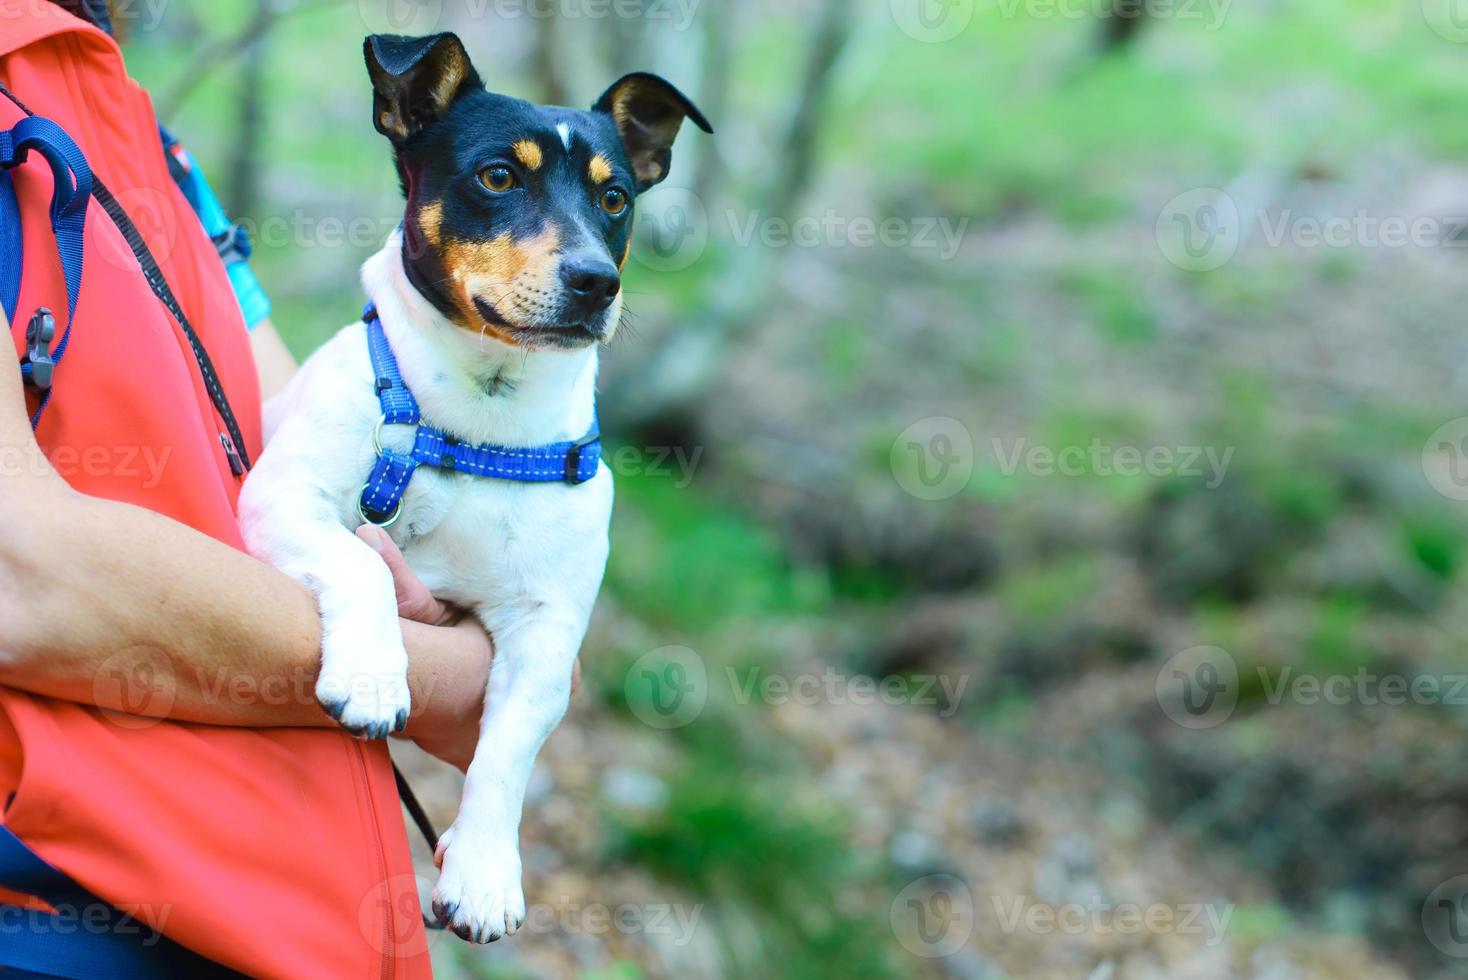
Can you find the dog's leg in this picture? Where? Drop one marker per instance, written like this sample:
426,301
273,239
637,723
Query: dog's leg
479,893
364,666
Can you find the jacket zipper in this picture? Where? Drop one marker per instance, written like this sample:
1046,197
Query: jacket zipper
380,852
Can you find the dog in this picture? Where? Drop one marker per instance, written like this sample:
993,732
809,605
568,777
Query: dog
491,300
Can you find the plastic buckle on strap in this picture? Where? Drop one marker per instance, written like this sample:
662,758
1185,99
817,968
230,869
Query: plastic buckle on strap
573,459
38,336
233,244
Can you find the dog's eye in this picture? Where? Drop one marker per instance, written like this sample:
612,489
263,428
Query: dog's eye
614,202
497,178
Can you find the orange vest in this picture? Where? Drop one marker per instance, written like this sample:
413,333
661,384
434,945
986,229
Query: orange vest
277,852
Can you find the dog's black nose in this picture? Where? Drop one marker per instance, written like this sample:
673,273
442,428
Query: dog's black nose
591,282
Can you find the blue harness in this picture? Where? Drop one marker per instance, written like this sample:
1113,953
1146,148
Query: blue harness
381,501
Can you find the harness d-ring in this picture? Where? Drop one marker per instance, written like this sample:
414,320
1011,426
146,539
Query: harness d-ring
362,511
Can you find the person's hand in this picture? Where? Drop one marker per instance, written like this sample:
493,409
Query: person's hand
448,705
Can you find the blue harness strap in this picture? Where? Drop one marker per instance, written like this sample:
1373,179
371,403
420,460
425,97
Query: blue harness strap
84,938
72,180
382,496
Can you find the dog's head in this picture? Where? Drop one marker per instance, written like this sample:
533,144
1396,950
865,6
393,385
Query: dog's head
519,216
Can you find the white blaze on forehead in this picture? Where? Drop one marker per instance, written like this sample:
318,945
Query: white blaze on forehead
565,132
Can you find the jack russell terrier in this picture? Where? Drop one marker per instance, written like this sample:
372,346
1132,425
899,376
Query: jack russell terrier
460,415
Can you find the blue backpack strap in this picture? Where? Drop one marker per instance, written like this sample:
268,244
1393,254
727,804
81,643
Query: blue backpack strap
73,189
11,244
86,938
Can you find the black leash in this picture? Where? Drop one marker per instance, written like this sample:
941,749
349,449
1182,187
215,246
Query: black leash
425,827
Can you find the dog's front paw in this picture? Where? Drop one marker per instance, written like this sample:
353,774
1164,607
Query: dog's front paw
478,894
364,682
369,705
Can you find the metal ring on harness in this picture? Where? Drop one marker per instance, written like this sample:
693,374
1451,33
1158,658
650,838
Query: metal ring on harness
362,511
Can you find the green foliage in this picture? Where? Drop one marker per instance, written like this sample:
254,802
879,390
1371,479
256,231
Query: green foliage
760,850
682,559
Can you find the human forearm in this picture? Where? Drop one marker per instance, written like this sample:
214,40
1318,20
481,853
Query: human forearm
104,602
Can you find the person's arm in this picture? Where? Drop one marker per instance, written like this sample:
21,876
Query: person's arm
273,360
93,592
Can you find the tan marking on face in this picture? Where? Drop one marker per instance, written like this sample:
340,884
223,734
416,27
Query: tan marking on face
510,275
528,153
600,169
626,251
430,220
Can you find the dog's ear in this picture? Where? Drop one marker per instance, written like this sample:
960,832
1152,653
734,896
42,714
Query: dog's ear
415,80
648,111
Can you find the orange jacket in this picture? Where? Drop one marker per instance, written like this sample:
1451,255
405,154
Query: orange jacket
278,852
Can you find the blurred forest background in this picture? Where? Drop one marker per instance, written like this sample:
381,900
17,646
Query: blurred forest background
1027,405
